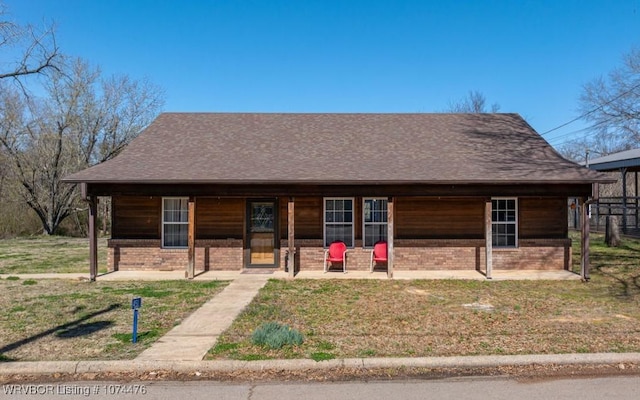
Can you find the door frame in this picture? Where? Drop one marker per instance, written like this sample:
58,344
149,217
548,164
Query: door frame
247,233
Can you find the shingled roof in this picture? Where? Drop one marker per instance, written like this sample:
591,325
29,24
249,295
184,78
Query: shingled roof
338,149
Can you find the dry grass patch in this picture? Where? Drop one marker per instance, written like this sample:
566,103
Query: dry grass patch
365,318
79,320
45,254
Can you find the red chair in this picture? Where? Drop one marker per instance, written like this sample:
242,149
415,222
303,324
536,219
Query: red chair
378,254
337,252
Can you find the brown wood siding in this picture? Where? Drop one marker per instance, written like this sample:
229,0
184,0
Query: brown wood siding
136,217
447,218
307,216
542,218
219,218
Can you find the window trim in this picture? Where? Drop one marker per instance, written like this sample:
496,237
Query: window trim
365,224
163,222
324,220
515,223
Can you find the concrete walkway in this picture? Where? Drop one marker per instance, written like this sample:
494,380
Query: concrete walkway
197,333
499,275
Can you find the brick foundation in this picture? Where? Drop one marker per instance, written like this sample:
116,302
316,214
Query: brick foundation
427,254
128,255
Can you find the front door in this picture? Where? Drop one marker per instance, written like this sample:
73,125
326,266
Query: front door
261,233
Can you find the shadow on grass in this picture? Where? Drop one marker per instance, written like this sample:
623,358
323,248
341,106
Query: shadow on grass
73,329
628,286
83,329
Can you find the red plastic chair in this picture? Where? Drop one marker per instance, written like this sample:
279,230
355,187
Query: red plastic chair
336,253
378,254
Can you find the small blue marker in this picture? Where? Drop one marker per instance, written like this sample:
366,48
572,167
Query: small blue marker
136,303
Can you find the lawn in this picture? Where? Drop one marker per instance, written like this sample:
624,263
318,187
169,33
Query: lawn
78,320
43,254
341,318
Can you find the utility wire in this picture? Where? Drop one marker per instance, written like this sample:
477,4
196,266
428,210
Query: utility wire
592,111
555,139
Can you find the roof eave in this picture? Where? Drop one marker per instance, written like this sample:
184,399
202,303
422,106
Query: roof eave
338,182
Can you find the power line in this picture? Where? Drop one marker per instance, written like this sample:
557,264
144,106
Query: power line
592,111
552,140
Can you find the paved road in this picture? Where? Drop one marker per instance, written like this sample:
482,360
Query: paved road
619,388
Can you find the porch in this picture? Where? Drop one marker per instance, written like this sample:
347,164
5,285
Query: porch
429,237
498,275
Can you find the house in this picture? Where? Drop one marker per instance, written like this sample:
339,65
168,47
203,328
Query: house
208,191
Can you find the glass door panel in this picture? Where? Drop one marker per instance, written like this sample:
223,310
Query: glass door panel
262,233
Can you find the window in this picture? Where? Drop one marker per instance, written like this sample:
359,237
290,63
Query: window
374,217
175,221
338,220
504,224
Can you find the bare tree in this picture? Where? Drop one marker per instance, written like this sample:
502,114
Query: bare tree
36,48
82,120
475,102
611,105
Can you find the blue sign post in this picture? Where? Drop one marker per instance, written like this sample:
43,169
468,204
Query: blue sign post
136,303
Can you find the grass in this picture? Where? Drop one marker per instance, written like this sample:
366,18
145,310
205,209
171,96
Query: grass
79,320
45,254
366,318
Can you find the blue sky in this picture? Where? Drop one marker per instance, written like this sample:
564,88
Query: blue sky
531,57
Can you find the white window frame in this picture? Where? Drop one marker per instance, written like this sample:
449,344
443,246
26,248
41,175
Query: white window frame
324,220
515,222
365,224
173,223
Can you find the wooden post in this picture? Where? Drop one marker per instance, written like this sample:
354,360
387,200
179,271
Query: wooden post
390,238
624,199
488,236
291,258
93,238
636,196
191,239
584,241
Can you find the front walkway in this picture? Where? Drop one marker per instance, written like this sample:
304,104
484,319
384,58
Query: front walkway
196,334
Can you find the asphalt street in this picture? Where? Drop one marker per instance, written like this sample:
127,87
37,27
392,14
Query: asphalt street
468,388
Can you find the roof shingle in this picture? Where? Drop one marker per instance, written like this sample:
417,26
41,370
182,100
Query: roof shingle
338,149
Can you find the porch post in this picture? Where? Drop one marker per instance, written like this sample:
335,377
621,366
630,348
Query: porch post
390,237
584,240
488,236
636,196
623,171
191,239
291,265
93,238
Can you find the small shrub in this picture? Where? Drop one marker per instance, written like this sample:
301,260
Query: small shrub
13,278
275,335
29,282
